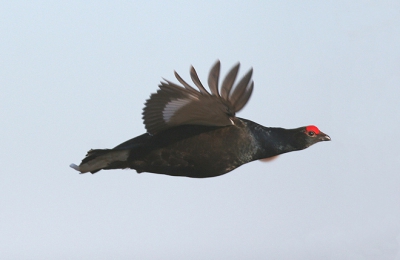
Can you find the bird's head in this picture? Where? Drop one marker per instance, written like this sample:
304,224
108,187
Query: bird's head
308,135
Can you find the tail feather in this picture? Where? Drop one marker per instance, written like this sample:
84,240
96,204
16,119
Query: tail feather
74,166
99,159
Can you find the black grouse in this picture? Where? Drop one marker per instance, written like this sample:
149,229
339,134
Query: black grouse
196,133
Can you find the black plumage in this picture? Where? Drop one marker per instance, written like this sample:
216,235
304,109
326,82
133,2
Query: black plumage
196,134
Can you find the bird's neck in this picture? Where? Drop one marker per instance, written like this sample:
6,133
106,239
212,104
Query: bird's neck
271,141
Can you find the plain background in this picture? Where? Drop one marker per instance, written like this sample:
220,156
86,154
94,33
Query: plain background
74,75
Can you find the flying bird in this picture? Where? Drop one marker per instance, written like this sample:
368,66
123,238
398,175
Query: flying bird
195,133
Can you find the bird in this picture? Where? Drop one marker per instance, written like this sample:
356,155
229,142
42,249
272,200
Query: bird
196,133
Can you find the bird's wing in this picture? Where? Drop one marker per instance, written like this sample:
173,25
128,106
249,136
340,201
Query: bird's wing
175,105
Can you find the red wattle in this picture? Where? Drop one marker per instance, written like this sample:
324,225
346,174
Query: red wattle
312,128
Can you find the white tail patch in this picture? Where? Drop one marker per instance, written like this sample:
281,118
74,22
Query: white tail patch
102,161
74,166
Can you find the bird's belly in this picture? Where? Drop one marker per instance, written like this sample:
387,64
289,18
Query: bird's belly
200,157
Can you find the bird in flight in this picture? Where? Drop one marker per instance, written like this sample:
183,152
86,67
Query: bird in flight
195,133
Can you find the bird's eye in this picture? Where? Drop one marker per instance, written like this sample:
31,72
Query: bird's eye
311,133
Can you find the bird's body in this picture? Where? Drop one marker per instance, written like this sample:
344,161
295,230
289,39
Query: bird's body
192,151
195,143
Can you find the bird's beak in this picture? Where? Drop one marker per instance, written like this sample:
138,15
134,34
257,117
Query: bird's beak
324,137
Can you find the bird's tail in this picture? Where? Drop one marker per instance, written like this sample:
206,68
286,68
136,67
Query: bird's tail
99,159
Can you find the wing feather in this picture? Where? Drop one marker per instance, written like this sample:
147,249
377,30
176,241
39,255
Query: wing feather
197,82
173,105
228,82
186,85
213,78
240,88
242,101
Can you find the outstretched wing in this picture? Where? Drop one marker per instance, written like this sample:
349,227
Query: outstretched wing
175,105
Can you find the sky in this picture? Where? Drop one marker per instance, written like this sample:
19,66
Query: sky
74,75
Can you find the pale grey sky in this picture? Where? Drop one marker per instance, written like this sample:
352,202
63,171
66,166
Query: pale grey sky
74,75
